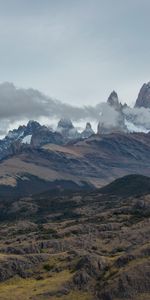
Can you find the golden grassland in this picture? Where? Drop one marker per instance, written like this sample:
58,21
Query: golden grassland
24,289
49,283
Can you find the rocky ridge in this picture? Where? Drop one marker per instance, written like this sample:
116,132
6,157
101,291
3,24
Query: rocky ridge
143,99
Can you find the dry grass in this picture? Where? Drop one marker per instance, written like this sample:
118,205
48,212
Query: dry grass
67,150
25,289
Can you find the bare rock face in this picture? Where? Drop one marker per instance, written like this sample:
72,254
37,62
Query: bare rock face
112,118
143,99
19,265
88,131
113,100
67,130
65,124
31,135
89,266
45,136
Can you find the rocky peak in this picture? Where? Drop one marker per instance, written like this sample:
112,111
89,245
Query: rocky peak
15,133
33,125
88,126
67,130
113,101
143,99
65,123
88,131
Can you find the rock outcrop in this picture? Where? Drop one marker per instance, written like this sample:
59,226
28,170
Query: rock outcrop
67,130
143,99
88,131
113,101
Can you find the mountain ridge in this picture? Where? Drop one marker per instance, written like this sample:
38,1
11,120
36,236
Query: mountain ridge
32,104
96,161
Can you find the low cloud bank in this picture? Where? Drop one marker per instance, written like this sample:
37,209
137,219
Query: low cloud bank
20,105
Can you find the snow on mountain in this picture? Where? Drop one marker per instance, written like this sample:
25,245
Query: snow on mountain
108,117
134,128
27,139
13,135
140,117
88,131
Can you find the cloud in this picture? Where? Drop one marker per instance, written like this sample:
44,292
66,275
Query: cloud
138,116
18,105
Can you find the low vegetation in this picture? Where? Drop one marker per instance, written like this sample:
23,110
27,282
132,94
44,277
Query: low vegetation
77,246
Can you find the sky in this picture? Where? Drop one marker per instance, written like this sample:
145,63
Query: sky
76,51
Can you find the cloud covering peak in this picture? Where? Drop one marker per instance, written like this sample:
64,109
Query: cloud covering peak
18,105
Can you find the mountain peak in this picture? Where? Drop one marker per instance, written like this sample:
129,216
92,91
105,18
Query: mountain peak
88,125
88,131
113,100
143,99
33,124
65,123
66,129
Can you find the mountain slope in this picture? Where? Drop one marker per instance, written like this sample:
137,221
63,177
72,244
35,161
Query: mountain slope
95,161
130,185
82,245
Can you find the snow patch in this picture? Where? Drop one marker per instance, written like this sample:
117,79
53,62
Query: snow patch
27,139
134,128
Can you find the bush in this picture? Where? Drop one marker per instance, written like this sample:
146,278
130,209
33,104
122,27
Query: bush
47,267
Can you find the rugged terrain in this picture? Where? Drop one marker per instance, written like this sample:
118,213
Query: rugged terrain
77,245
64,232
80,164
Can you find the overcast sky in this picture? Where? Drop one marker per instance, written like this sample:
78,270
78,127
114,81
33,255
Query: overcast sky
77,51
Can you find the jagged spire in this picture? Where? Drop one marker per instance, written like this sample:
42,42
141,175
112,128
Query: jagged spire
143,99
88,131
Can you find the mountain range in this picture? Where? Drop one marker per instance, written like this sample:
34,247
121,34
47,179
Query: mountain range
47,161
75,206
19,105
40,157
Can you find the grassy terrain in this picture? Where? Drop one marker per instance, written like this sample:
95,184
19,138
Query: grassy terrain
76,246
26,288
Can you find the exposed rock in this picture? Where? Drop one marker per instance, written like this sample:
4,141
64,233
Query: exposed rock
67,130
32,126
88,131
129,283
112,118
113,100
89,266
65,124
45,136
92,264
143,99
124,260
32,135
20,266
80,261
81,278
